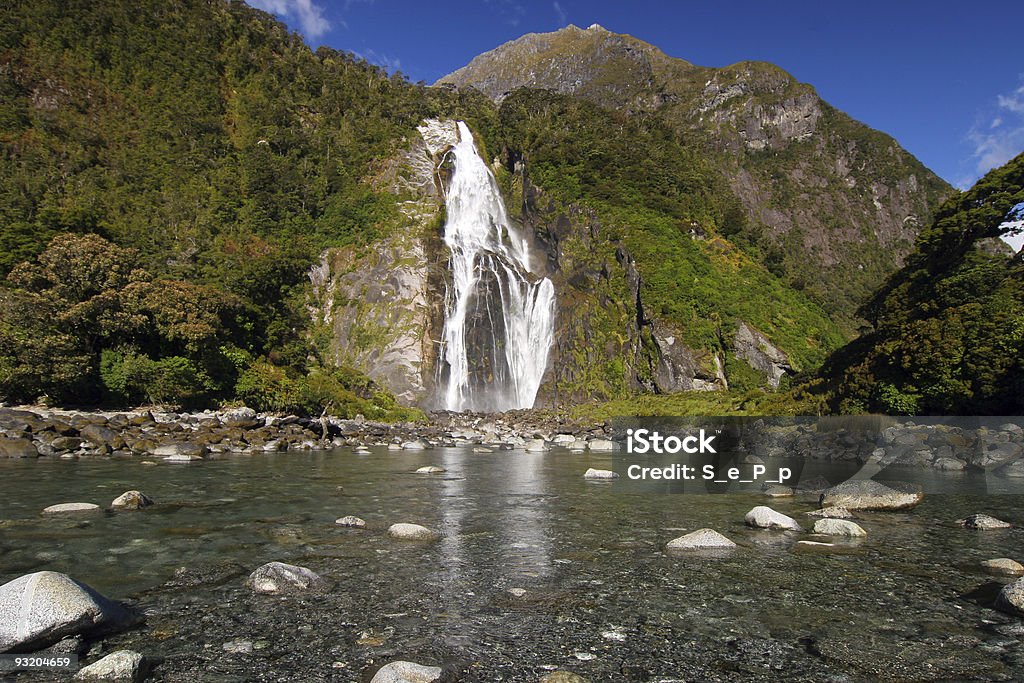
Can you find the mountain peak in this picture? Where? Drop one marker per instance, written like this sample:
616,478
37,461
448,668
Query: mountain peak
610,67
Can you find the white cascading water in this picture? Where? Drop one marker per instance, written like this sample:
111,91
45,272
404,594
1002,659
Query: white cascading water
495,347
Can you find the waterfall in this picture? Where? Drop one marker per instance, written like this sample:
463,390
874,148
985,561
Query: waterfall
499,321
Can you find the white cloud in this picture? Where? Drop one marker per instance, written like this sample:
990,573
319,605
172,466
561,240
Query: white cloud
509,11
1001,139
309,15
562,16
391,64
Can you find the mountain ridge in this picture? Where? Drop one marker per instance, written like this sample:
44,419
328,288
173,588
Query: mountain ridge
769,135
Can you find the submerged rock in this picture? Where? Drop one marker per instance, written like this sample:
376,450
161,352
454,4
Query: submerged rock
563,677
702,539
430,469
838,527
1003,566
868,494
763,517
832,513
40,609
131,500
406,672
412,532
982,523
123,666
70,507
277,577
599,474
350,521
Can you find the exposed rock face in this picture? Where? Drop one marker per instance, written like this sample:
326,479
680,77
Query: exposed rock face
37,610
384,305
759,352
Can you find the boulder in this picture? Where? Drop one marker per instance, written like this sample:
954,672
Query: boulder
430,469
38,610
102,437
1011,598
417,445
131,500
275,578
868,494
763,517
240,418
982,523
702,539
66,443
599,474
950,465
536,446
406,672
17,448
350,521
176,450
61,508
412,532
1003,566
601,445
123,666
838,527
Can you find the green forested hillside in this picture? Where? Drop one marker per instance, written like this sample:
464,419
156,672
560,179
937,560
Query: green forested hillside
948,328
209,141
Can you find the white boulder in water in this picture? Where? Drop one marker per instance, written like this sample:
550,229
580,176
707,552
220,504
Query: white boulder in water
37,610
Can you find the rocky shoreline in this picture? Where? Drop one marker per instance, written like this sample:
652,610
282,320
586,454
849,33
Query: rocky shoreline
956,444
30,432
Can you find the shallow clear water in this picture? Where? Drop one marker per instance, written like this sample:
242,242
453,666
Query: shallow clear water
602,597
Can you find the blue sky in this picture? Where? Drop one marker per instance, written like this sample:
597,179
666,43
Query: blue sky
945,79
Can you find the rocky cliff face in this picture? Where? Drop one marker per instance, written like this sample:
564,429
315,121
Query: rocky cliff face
383,304
833,204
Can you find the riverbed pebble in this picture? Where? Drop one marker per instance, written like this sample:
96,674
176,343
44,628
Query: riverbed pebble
763,517
702,539
406,672
412,532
